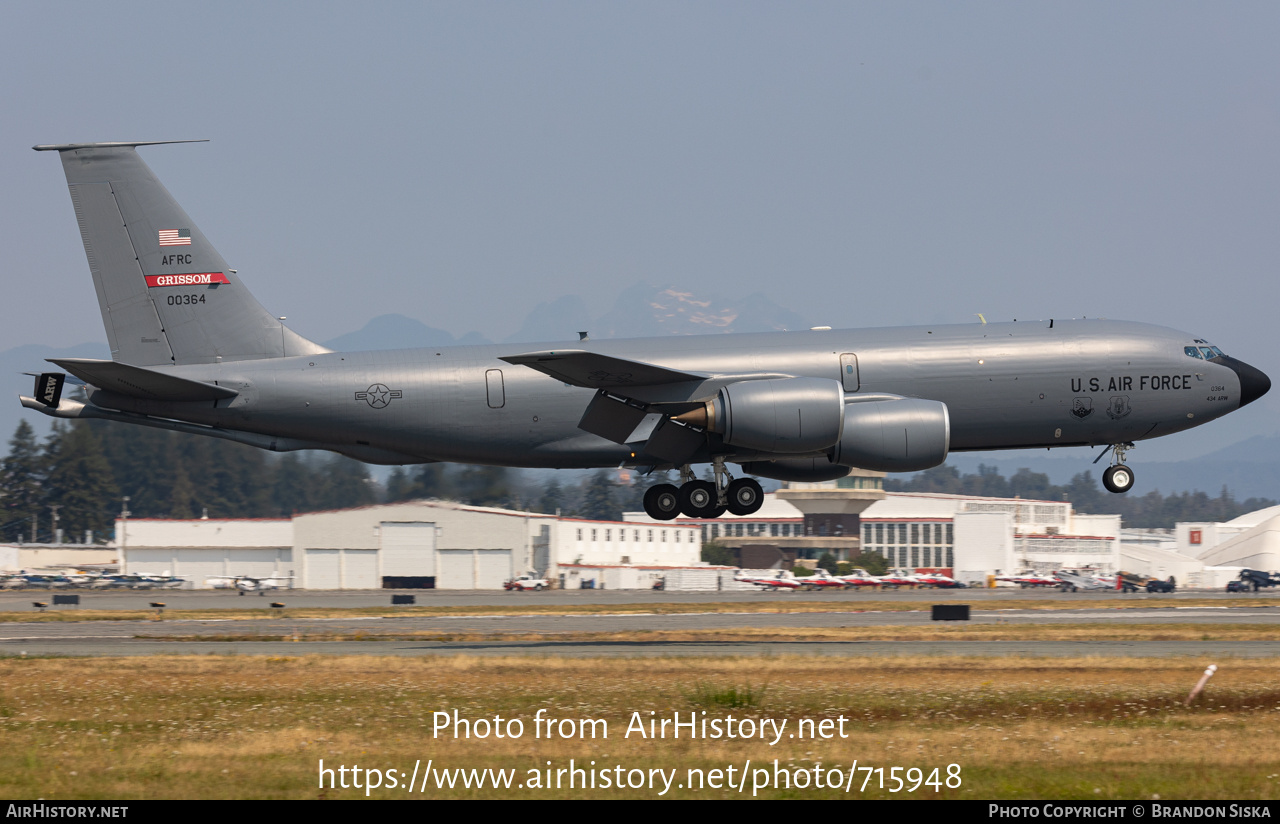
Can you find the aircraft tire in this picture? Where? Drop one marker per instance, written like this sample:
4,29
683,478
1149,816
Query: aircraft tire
1118,478
662,502
698,499
745,496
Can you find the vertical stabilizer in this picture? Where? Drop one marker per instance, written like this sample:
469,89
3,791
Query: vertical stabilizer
167,296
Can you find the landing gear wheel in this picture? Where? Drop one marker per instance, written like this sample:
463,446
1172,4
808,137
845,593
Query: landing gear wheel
662,502
1118,478
698,499
745,496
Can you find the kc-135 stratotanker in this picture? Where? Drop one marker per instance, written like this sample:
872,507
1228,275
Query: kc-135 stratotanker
193,351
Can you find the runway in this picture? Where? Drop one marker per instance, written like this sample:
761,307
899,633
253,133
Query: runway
484,634
21,601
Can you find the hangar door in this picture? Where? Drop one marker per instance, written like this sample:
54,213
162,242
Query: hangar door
198,565
322,569
408,549
342,569
359,569
473,568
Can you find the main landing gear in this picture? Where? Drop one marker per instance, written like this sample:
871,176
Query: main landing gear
704,499
1117,477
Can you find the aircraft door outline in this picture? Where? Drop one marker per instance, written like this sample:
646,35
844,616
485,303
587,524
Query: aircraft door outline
494,388
849,372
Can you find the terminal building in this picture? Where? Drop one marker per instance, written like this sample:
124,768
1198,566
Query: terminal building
967,537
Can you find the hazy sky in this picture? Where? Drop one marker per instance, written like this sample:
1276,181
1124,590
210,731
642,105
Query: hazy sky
860,163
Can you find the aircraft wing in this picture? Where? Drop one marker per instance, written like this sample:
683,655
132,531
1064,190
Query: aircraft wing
629,390
137,382
595,371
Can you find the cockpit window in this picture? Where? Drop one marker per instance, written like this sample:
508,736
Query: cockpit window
1191,351
1217,353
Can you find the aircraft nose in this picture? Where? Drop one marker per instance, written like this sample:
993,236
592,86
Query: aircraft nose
1254,383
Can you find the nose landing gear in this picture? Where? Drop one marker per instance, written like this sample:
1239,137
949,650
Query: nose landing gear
704,499
1117,478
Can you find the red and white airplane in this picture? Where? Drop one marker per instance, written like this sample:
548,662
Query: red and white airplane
899,578
937,579
769,579
821,579
1030,578
860,578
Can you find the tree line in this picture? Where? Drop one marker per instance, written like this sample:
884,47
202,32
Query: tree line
85,468
1150,511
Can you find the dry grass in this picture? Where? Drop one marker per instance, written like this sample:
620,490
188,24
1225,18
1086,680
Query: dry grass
785,635
781,602
242,727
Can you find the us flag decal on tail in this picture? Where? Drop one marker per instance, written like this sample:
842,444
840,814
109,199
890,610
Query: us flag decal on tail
175,237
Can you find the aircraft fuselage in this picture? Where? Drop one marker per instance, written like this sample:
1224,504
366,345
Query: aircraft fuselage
1005,385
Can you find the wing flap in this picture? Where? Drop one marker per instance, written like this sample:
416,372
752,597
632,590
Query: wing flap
137,382
593,370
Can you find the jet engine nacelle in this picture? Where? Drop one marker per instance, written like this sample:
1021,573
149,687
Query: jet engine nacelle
901,435
808,470
788,416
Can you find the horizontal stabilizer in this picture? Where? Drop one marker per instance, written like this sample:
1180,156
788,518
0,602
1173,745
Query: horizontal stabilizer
595,371
137,382
67,147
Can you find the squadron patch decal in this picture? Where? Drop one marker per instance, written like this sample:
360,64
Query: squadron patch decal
1118,407
1082,408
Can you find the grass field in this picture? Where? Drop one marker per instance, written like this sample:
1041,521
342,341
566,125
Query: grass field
285,630
254,727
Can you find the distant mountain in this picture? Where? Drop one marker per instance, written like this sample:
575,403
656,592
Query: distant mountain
398,332
560,319
648,311
1249,469
641,311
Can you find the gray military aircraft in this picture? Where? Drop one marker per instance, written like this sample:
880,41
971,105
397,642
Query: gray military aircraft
193,351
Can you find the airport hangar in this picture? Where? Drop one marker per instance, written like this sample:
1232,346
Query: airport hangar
452,546
422,544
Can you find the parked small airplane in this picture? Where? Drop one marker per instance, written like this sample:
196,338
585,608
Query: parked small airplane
821,579
898,577
193,351
1030,578
937,579
768,579
247,583
1069,581
859,578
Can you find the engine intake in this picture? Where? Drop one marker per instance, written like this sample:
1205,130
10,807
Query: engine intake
902,435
